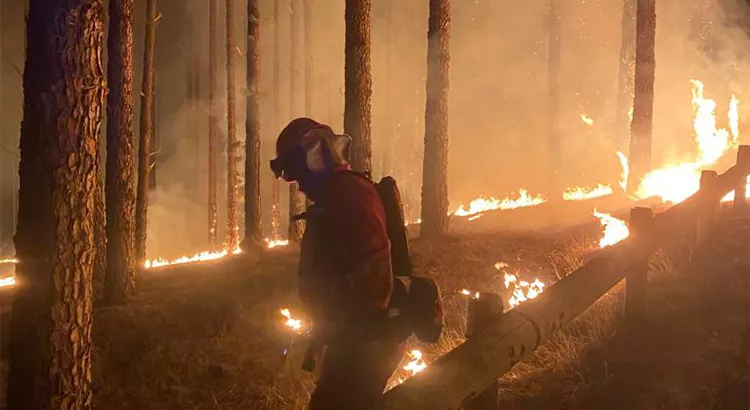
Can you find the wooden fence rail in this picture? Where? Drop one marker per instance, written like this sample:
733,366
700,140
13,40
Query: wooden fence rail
455,379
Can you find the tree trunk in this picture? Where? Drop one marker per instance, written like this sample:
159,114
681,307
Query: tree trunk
296,108
154,138
64,88
276,189
213,123
307,10
435,166
358,83
388,117
253,228
120,188
146,131
233,240
554,143
625,77
643,104
100,232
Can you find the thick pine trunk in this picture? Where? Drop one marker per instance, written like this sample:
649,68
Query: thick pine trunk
253,228
643,104
554,142
625,75
64,88
296,108
213,123
358,83
100,233
120,188
146,133
435,166
233,240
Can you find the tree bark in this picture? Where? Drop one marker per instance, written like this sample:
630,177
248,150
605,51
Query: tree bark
435,166
554,143
643,104
358,83
100,232
296,108
120,188
146,134
233,240
625,77
64,88
213,123
276,188
388,120
253,228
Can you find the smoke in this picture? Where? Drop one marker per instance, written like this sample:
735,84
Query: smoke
497,99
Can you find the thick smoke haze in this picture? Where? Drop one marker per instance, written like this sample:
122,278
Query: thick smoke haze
497,100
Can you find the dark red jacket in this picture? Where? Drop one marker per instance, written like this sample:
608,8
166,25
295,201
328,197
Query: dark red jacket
345,258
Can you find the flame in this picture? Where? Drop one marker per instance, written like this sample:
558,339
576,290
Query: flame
676,182
730,196
467,292
275,243
484,204
198,257
521,290
615,229
416,365
294,324
578,193
586,119
625,173
7,261
7,281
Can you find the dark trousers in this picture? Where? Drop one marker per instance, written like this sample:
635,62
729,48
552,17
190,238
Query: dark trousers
354,374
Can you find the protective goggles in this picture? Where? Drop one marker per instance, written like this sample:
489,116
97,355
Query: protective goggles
290,166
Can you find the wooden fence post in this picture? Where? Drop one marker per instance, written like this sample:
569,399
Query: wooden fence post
707,217
636,281
740,203
483,311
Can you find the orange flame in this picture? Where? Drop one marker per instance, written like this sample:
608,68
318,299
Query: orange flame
290,322
615,230
484,204
578,193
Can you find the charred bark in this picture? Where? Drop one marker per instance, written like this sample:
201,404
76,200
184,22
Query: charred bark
554,143
358,83
296,108
120,188
146,133
213,122
63,83
253,227
626,74
233,240
435,166
643,104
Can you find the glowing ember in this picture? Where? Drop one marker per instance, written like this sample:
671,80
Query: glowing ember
275,243
198,257
7,281
586,119
676,182
294,324
484,204
417,364
583,193
615,230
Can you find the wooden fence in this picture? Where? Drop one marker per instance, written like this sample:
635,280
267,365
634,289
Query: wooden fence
467,376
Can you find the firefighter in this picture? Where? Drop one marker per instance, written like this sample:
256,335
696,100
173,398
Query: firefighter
345,278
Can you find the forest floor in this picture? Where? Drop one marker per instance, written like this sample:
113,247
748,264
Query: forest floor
210,335
692,351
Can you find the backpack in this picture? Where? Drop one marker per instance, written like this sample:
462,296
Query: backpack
416,298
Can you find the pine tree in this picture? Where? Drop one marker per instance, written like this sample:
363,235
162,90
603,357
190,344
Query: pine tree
358,83
233,240
253,230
